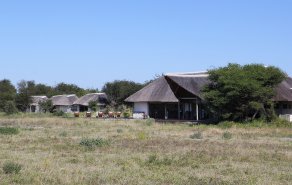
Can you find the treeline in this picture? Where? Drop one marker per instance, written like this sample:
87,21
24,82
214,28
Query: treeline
18,98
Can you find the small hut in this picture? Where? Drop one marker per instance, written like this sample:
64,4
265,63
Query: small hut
64,102
35,103
81,105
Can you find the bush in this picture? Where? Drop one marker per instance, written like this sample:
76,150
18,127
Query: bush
10,107
11,167
154,160
197,135
119,130
149,121
227,135
59,113
9,131
92,143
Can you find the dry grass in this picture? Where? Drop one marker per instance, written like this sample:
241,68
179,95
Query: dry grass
49,151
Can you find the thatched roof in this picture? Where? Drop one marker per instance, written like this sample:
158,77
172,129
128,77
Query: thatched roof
101,98
157,91
193,83
64,99
173,86
37,99
284,91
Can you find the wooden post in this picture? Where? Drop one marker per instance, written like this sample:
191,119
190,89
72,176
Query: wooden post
178,111
197,110
165,112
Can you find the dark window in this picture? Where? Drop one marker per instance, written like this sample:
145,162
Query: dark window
285,106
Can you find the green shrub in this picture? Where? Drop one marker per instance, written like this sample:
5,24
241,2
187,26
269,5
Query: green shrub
149,121
59,113
281,123
9,130
10,107
119,130
142,135
227,135
11,167
155,160
197,135
92,143
63,134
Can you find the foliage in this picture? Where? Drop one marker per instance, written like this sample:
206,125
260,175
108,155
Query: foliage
227,135
117,91
10,107
149,121
46,106
155,160
241,93
127,113
9,130
59,113
11,167
93,105
92,143
7,93
197,135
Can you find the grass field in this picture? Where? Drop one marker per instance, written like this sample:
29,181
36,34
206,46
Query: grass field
57,151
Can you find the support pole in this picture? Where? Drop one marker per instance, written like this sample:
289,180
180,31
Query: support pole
178,111
197,110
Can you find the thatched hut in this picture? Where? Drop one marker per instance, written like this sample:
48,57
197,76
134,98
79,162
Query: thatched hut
35,103
172,96
81,104
64,102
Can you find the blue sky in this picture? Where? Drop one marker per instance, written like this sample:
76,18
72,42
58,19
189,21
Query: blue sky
91,42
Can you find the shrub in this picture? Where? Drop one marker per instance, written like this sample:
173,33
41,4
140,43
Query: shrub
9,130
11,167
63,134
142,135
59,113
92,143
155,160
119,130
149,121
197,135
10,107
227,135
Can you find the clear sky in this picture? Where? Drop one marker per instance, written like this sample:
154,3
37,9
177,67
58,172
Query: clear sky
90,42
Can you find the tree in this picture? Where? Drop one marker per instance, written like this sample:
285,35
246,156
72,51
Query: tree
118,90
47,106
242,93
63,88
93,105
7,93
26,89
10,107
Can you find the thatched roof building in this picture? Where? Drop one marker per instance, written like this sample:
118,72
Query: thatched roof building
172,96
178,96
284,91
101,98
35,100
64,100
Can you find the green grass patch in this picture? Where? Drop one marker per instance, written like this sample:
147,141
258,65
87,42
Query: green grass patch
93,143
9,130
11,167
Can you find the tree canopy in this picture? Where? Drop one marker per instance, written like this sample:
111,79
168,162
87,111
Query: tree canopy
241,93
118,90
7,93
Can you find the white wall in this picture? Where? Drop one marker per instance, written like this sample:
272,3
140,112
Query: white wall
141,107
